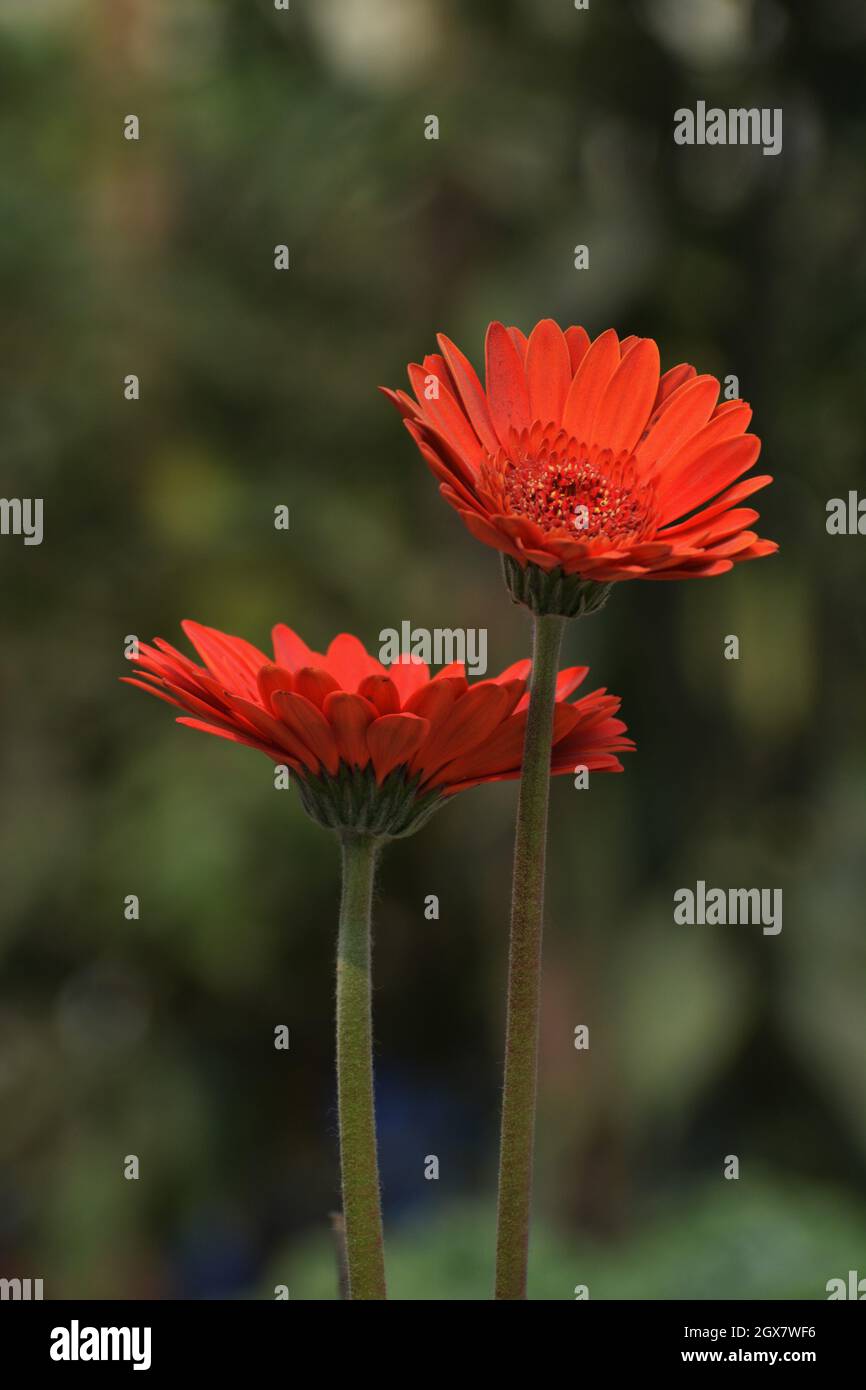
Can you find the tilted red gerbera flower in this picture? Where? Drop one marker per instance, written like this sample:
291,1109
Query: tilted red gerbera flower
580,459
374,749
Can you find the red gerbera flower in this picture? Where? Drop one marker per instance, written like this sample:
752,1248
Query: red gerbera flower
374,749
581,460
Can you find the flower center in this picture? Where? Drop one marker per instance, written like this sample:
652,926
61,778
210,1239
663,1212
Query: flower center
563,486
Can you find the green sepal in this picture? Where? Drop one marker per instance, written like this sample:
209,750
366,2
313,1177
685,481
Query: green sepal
552,591
352,800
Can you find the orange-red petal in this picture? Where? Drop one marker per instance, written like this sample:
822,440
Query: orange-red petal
548,371
394,740
309,726
592,376
506,384
349,717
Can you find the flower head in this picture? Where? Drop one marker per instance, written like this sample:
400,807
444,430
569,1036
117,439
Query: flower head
374,749
580,463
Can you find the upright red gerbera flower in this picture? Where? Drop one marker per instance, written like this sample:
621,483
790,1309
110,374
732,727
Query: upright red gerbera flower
583,466
579,459
375,749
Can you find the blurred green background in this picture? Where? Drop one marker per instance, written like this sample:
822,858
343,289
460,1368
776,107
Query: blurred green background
155,1037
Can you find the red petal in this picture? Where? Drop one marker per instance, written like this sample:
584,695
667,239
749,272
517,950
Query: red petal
234,661
434,363
506,384
568,680
735,494
517,671
309,726
670,381
578,341
474,716
714,470
483,531
349,717
443,460
151,690
548,372
349,661
759,549
233,737
518,338
393,740
471,393
167,649
408,675
695,572
433,701
595,371
291,650
405,404
314,684
625,405
193,701
587,742
706,530
381,692
191,680
679,465
687,413
446,416
455,670
274,731
499,753
272,678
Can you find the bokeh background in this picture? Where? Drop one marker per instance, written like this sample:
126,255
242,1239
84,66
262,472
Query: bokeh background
155,1037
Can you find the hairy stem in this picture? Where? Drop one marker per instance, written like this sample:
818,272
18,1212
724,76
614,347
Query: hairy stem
524,967
362,1212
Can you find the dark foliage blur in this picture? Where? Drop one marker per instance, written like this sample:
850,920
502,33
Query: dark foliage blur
155,1037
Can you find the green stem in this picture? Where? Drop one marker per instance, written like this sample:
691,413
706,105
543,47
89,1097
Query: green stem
359,1167
524,966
